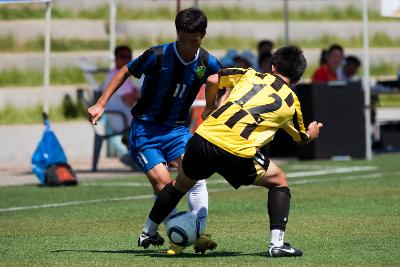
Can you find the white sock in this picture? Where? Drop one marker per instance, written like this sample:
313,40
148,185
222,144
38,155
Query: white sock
150,227
198,203
277,237
174,211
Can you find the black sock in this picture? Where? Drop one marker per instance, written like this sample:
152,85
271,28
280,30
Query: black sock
278,207
166,201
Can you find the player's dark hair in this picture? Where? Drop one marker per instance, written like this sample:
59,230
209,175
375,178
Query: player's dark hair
290,62
191,20
352,60
121,48
335,47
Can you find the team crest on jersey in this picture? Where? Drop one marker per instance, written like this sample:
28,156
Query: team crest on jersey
200,71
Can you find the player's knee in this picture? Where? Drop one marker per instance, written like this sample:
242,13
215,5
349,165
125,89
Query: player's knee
160,185
278,179
183,183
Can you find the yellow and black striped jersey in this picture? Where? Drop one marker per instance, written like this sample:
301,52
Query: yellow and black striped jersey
258,105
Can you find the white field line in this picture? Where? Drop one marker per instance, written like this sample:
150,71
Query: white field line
74,203
299,182
347,178
331,171
222,181
310,167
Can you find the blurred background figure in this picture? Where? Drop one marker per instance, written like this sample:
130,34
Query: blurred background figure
327,71
322,57
264,62
265,46
264,50
245,60
122,101
227,61
349,69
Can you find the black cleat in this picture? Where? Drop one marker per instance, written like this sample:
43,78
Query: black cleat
284,251
145,240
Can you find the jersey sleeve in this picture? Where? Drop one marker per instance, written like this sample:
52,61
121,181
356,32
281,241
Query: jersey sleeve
213,66
230,77
295,126
142,64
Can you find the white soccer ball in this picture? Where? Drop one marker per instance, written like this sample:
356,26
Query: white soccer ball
183,228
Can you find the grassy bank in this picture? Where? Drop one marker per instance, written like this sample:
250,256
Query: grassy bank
376,40
330,12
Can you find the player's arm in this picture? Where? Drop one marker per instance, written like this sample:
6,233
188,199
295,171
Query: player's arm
296,129
210,94
137,67
225,78
97,109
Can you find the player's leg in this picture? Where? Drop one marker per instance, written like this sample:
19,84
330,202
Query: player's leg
159,177
174,148
143,141
278,209
197,198
166,201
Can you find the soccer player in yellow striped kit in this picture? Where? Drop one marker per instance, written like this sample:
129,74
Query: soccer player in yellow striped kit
229,139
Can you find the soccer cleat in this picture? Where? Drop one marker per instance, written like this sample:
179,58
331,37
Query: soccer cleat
174,249
145,240
284,251
204,243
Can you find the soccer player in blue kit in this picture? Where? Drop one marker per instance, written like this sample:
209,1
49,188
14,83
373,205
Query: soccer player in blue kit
174,73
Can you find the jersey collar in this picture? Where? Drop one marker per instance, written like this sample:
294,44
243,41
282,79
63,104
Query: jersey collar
181,59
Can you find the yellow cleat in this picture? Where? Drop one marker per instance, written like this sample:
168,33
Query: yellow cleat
204,243
174,249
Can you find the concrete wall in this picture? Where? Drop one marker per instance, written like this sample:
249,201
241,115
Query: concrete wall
61,60
20,141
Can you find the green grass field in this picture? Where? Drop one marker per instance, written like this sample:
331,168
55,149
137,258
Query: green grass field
342,214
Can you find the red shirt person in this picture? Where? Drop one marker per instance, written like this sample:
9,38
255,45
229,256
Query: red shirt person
327,71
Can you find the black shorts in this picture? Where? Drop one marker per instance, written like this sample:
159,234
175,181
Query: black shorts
202,159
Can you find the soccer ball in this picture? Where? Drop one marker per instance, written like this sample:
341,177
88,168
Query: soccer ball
183,228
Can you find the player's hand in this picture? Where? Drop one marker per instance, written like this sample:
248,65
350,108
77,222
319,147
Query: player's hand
95,113
313,129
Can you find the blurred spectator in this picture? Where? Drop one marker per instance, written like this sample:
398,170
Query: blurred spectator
227,61
264,63
245,60
322,57
350,67
264,47
122,101
327,71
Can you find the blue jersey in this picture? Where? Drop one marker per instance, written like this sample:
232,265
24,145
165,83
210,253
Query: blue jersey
170,85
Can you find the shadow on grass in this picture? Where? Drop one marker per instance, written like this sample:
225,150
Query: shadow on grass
162,254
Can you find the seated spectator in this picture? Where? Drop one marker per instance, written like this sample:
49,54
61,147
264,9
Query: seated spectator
227,61
350,67
264,63
327,72
245,60
122,101
265,47
322,57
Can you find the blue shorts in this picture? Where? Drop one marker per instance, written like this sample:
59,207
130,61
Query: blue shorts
152,143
